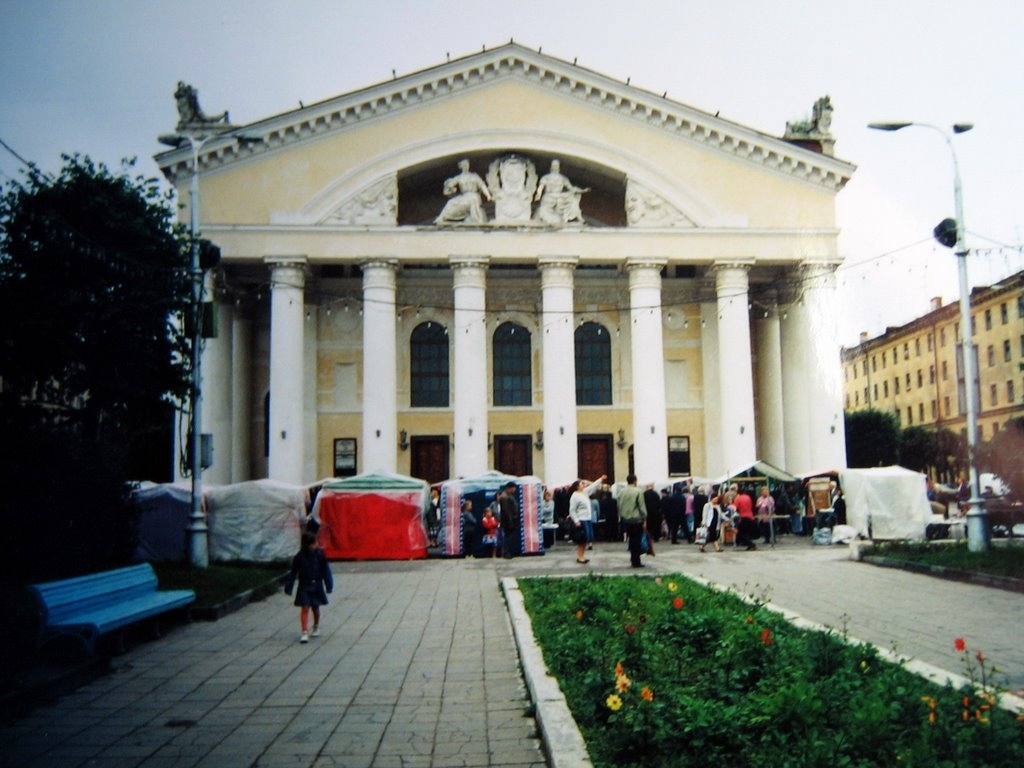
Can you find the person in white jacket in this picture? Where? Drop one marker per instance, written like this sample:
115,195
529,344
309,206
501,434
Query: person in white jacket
579,511
711,521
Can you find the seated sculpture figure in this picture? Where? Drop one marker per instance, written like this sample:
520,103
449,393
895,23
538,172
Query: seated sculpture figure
464,191
559,198
189,113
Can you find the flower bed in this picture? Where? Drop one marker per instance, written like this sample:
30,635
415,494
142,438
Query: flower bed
667,672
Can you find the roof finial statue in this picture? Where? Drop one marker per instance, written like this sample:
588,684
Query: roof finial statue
189,113
817,129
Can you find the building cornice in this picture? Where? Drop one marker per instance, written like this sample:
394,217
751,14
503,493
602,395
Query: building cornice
515,61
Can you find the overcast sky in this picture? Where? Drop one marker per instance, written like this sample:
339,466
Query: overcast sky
97,77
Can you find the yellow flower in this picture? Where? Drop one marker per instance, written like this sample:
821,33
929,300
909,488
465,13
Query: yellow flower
622,683
672,586
647,694
614,703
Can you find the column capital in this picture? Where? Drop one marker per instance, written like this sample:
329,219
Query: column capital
298,262
722,265
645,262
465,262
379,262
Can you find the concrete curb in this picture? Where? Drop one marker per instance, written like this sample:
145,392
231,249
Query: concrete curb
954,574
560,734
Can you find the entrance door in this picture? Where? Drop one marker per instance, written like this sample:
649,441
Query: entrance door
513,455
430,458
595,457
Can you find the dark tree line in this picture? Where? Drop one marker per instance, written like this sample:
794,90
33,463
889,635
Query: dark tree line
93,282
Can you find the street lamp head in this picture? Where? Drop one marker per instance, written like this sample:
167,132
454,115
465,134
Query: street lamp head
172,140
962,127
888,126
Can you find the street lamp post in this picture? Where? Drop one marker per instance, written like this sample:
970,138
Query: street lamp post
978,533
197,528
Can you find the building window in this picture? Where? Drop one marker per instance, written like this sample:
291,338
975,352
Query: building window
856,399
942,337
945,370
678,456
1022,346
1007,350
991,351
910,416
917,346
1020,306
876,391
908,382
428,369
874,360
344,456
885,389
883,359
988,319
865,395
865,362
935,411
895,386
931,342
513,383
1010,396
946,406
920,412
931,374
593,365
993,393
906,351
1004,313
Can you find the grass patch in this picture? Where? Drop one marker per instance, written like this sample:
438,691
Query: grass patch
671,673
221,581
1002,560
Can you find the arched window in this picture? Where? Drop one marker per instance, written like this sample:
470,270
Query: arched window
513,383
593,365
428,369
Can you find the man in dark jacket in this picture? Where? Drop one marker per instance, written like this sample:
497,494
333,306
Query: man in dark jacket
508,511
653,502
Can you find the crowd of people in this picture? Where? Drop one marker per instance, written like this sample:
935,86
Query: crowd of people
585,511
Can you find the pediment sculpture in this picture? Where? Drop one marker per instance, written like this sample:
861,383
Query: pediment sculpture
513,181
513,187
375,205
645,208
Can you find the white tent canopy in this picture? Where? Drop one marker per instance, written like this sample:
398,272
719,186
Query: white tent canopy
762,468
891,500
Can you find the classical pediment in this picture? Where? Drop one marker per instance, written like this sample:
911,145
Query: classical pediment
515,62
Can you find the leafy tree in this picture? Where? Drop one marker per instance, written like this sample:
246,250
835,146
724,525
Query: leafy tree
951,453
872,438
93,277
1002,455
918,448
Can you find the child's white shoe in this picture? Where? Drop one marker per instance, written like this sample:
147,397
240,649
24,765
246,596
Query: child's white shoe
304,638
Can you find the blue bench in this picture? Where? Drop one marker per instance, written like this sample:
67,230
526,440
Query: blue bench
87,607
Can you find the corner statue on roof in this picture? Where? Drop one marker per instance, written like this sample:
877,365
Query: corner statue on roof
820,124
189,113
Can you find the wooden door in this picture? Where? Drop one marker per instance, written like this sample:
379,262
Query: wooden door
513,455
595,457
430,458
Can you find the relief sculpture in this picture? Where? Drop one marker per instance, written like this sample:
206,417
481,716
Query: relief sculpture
558,198
513,180
464,191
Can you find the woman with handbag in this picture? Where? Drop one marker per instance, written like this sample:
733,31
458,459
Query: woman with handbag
710,522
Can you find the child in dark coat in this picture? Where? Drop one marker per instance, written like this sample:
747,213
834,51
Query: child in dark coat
313,572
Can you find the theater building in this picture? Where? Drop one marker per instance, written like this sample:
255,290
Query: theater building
510,262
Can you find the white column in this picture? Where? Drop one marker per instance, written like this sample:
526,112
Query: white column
771,434
650,437
470,347
217,382
794,332
825,395
714,460
380,367
559,369
241,395
287,325
736,379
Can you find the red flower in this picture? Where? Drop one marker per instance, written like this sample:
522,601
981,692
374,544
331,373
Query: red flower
959,645
766,636
678,603
980,657
630,629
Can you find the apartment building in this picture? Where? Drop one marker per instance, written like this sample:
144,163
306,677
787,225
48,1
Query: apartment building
915,371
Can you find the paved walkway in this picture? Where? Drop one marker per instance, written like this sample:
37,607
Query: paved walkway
417,665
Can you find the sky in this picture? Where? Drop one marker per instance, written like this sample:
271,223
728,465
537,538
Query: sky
97,77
